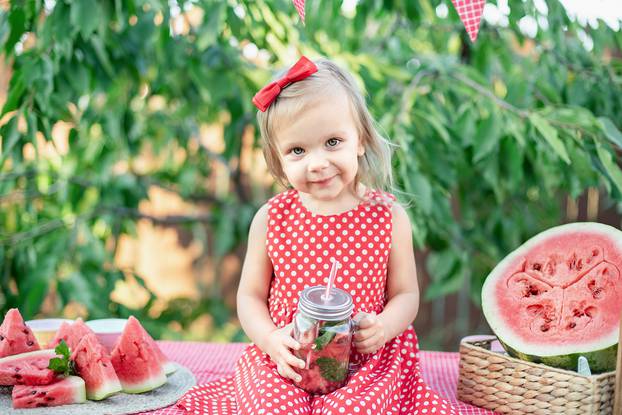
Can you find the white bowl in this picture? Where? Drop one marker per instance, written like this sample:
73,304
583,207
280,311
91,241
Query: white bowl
45,329
107,330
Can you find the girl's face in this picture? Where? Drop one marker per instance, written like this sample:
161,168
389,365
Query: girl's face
320,146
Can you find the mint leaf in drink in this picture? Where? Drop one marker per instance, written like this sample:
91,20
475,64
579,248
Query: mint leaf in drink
331,369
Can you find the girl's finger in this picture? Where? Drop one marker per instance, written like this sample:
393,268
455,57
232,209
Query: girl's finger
364,344
288,372
291,343
294,361
363,334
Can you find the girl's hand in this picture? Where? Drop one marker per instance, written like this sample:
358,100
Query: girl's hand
370,335
277,345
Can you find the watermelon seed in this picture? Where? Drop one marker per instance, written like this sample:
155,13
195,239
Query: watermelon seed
42,405
1,337
25,331
17,376
535,309
590,311
49,398
536,266
545,327
30,343
33,392
17,369
42,393
571,326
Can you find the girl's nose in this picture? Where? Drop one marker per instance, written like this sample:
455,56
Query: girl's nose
317,162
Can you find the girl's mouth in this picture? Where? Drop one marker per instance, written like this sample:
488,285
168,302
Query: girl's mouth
323,182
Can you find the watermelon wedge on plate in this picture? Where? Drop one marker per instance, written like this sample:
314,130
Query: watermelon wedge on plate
92,363
71,333
559,296
27,368
136,361
15,336
65,391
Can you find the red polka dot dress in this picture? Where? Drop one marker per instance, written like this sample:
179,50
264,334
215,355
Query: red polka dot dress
300,245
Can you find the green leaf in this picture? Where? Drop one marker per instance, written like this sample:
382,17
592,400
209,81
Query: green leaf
550,135
323,339
331,369
17,21
16,91
62,365
10,137
611,131
487,137
613,170
85,15
422,191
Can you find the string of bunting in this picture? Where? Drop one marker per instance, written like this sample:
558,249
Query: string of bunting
470,12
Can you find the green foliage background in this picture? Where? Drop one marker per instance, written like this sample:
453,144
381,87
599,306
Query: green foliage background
492,135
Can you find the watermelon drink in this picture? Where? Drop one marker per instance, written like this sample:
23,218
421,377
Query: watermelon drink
324,330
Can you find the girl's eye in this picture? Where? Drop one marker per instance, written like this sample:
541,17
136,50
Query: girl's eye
297,151
332,142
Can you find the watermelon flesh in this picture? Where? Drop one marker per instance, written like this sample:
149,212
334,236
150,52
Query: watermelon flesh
169,367
135,361
71,333
559,296
27,368
66,391
15,336
92,364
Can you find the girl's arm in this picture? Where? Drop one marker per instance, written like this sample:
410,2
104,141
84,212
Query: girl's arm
402,291
402,287
252,303
252,296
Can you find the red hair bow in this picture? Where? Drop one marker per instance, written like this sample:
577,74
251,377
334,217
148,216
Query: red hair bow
302,69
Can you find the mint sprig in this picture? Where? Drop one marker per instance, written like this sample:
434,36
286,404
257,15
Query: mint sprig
63,365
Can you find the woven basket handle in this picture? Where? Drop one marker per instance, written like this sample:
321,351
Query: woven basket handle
617,403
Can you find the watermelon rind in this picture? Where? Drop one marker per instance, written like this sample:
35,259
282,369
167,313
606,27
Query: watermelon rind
136,361
600,352
92,363
146,386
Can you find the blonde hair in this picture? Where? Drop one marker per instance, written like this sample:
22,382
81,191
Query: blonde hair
374,165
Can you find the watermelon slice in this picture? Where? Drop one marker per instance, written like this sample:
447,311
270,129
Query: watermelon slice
15,336
169,367
27,368
64,392
136,361
71,333
92,364
559,296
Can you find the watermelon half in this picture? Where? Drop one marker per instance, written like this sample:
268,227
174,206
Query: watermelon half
136,361
65,391
559,296
27,368
92,363
15,336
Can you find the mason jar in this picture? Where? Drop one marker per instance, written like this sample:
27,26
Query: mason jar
324,329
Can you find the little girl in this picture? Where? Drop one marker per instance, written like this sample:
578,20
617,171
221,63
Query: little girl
319,139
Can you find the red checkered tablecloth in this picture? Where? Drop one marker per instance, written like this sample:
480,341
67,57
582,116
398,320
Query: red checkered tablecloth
211,361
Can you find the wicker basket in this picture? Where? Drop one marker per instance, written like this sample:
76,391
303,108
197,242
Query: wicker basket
507,385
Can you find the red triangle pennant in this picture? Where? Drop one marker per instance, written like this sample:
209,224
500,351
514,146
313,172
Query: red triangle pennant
470,12
300,7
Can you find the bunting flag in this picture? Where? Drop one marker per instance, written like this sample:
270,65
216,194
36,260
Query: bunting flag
470,12
300,7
